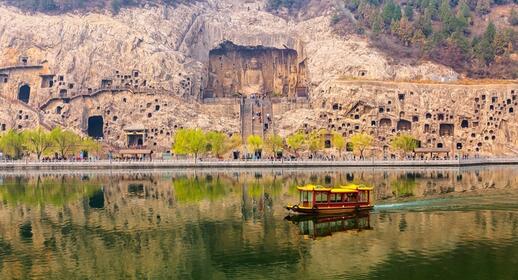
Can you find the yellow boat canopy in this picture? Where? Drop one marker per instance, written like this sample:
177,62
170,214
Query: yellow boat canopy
349,188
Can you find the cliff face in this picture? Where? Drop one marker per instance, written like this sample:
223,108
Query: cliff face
150,67
168,44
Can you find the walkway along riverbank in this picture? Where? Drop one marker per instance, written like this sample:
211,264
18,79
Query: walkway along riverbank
160,164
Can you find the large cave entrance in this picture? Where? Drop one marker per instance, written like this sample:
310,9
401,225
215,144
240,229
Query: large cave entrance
403,125
255,70
95,127
446,129
24,93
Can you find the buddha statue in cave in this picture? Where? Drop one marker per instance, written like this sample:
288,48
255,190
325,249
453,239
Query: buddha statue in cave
253,81
229,82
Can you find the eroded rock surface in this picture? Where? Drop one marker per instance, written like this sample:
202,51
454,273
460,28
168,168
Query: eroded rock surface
151,67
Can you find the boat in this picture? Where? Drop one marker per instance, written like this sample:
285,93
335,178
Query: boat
319,200
315,227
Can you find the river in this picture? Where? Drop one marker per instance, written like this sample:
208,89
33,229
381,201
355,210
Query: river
434,223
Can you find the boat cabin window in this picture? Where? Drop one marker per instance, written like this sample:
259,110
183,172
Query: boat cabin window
363,196
321,197
351,197
306,196
336,197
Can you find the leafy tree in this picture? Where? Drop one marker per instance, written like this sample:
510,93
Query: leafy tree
418,37
432,10
315,142
409,11
445,12
404,31
274,143
377,25
483,7
91,146
295,141
37,141
338,142
234,141
484,49
404,142
255,143
391,12
490,32
11,144
65,142
424,23
464,9
216,142
189,141
360,142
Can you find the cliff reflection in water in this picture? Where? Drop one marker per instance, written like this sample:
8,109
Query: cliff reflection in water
231,225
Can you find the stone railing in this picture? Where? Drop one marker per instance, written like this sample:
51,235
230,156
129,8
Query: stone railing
214,163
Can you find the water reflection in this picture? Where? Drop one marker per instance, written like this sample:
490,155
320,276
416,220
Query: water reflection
208,224
40,191
321,226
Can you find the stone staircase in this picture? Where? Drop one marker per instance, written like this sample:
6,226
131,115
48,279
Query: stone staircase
49,125
267,113
254,114
246,116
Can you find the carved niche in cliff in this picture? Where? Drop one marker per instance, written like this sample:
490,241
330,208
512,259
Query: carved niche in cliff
254,70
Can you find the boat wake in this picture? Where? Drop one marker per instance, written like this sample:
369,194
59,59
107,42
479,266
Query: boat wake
507,202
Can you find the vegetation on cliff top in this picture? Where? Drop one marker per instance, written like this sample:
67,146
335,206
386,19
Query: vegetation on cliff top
455,33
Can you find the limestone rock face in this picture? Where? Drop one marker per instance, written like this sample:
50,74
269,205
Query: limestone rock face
168,44
150,66
470,119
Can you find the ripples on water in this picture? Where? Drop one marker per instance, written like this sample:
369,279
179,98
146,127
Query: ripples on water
428,224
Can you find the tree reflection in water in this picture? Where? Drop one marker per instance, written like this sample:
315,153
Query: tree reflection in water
164,225
41,191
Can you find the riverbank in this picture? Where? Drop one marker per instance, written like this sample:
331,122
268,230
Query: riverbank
179,164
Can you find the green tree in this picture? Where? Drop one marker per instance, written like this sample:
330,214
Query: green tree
234,141
445,12
360,142
255,143
424,23
391,12
484,49
464,9
338,142
377,25
296,141
190,141
490,32
315,142
216,142
65,142
11,144
37,141
91,146
483,7
404,142
274,143
409,11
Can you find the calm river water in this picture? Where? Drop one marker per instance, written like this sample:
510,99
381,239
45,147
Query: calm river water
428,224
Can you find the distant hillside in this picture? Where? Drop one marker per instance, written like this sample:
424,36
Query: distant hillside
55,6
476,37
